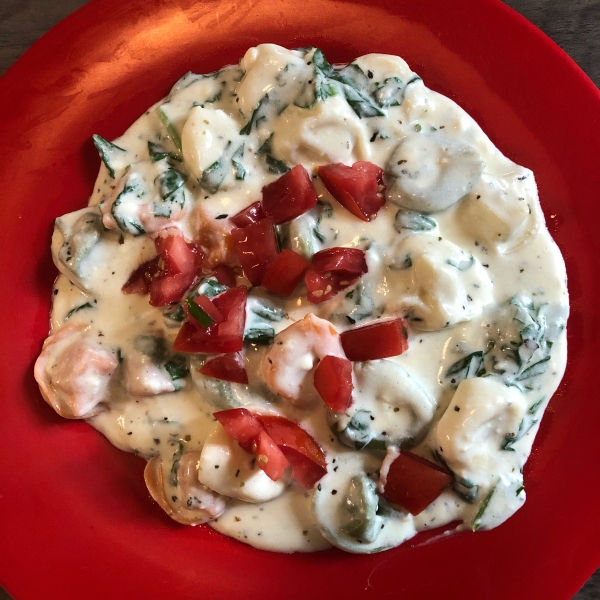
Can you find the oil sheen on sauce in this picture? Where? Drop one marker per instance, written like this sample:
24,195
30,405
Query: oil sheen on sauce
459,250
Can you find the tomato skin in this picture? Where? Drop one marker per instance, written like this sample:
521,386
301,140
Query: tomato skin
347,260
227,336
253,214
414,483
227,367
177,263
289,196
276,442
177,256
300,448
240,425
225,275
256,248
333,381
170,274
333,270
381,339
285,273
246,428
356,188
140,279
269,457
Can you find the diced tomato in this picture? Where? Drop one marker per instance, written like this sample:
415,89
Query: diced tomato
382,339
289,196
140,279
333,270
275,441
177,256
208,307
347,260
228,367
356,188
333,381
198,257
227,336
253,214
269,457
246,428
414,483
256,248
241,425
300,448
285,273
225,275
177,267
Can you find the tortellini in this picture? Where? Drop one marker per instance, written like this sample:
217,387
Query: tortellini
472,434
227,469
206,135
390,408
502,211
329,133
428,172
75,244
436,283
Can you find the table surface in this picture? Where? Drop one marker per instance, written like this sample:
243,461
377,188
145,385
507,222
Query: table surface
573,25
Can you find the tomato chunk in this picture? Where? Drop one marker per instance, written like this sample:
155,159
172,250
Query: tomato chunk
253,214
333,270
177,267
226,336
256,248
247,429
228,367
333,381
382,339
240,425
225,275
140,279
289,196
414,482
285,273
356,188
300,448
178,257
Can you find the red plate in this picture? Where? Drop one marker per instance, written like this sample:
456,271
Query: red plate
75,518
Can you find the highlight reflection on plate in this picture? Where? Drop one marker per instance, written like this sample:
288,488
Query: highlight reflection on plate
75,517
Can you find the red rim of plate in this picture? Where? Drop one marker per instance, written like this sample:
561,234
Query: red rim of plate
75,517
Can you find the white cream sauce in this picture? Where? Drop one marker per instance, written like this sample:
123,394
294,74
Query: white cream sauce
460,250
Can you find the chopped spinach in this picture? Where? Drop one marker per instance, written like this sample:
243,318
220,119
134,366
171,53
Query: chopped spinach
157,152
275,166
413,221
162,111
173,475
236,161
462,264
198,313
347,81
476,523
131,190
107,151
77,309
467,367
391,91
176,367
